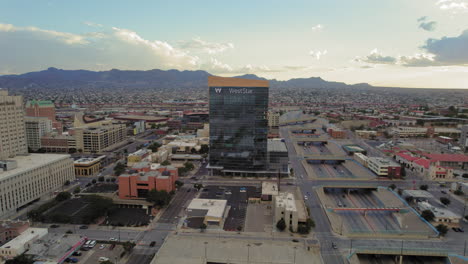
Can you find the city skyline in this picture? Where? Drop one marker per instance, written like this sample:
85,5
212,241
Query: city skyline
421,44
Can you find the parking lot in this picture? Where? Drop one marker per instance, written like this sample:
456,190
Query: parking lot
102,188
101,250
128,217
236,200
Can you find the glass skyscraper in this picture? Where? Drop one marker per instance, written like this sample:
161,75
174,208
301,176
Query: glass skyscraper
238,124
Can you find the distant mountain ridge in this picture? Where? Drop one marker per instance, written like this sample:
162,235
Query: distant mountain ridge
54,78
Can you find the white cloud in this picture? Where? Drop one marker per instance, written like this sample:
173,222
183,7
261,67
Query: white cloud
317,28
317,54
199,45
216,66
376,57
418,60
31,48
455,6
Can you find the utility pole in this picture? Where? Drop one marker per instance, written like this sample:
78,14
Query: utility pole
351,246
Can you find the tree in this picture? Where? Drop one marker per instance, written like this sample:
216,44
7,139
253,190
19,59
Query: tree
21,259
442,229
204,149
424,187
189,166
101,178
67,183
165,163
445,201
94,181
128,246
77,190
203,227
281,225
154,147
458,192
198,186
392,186
181,171
179,184
159,198
62,196
113,179
119,169
428,215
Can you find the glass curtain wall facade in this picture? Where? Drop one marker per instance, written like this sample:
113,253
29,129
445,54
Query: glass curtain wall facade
238,124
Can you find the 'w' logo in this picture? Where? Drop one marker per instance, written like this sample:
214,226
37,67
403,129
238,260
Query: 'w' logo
218,90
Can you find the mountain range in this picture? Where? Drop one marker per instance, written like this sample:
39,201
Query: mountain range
58,78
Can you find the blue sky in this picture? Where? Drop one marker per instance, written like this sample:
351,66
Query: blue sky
417,43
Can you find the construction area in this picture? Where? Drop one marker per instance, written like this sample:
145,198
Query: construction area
371,212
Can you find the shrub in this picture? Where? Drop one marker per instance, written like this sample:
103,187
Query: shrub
281,225
62,196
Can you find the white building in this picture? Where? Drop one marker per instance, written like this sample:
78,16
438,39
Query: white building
361,158
285,208
405,132
21,243
33,176
36,127
383,167
441,215
12,128
213,211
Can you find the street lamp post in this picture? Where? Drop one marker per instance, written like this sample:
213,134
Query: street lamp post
205,249
295,248
248,253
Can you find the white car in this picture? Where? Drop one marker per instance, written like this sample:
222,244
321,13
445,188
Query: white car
112,239
102,247
305,197
102,259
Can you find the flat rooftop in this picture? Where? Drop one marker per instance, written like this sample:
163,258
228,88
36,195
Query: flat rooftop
286,200
89,160
269,188
28,235
215,207
418,194
31,162
276,145
190,249
215,81
53,247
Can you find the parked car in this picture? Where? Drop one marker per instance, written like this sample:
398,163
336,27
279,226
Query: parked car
77,253
112,239
334,246
444,192
153,243
455,229
54,226
84,227
71,260
102,259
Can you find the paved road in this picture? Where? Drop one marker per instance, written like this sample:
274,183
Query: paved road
323,230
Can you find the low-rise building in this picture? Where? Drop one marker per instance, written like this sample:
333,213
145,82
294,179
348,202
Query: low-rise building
437,172
278,159
212,211
10,229
366,134
384,167
361,158
137,185
54,143
269,190
441,215
22,243
137,156
95,139
88,166
285,208
351,149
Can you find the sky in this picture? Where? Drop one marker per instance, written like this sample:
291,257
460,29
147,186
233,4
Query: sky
401,43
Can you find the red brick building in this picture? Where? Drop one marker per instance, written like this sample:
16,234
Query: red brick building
43,109
11,229
137,185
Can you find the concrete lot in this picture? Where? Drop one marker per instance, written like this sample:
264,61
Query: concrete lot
348,169
259,218
201,250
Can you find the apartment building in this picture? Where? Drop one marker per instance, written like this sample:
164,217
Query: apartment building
36,127
37,108
96,139
12,129
290,210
